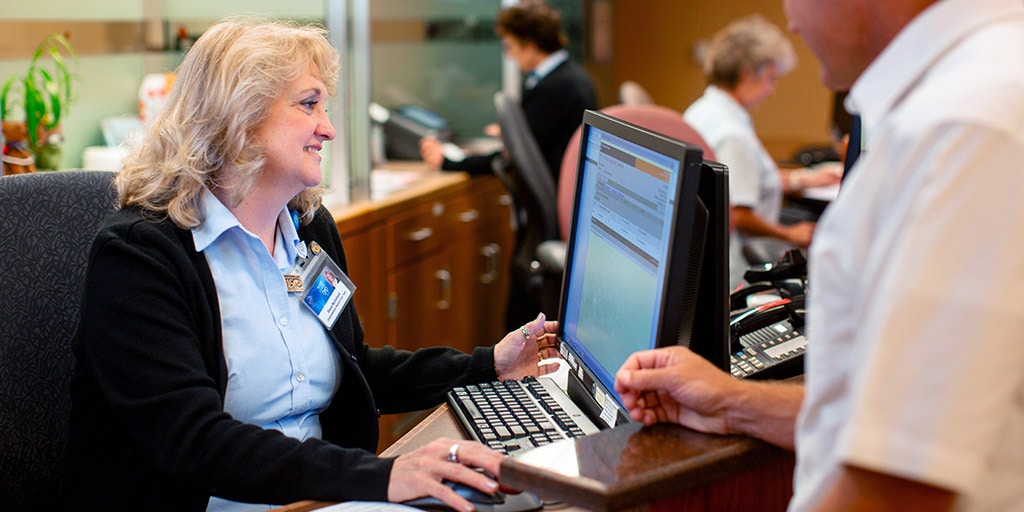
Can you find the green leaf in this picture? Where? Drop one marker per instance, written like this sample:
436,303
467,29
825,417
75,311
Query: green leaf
46,89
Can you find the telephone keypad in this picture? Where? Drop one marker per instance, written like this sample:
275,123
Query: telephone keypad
774,347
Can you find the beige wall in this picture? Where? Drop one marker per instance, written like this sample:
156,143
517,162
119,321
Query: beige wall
653,45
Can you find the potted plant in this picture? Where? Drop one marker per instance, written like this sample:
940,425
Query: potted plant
40,99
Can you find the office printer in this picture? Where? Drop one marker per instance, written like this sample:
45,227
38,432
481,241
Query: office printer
405,125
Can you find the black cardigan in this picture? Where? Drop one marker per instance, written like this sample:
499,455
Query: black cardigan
147,427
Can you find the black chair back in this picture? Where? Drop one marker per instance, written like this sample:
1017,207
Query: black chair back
47,223
534,181
534,195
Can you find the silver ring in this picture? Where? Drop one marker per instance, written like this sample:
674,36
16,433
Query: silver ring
526,333
453,453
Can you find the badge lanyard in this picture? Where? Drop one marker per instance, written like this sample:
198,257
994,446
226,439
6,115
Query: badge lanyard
325,289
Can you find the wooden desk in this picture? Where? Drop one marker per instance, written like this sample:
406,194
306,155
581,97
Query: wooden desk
664,467
660,468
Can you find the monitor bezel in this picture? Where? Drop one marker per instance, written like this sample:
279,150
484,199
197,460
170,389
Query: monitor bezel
685,252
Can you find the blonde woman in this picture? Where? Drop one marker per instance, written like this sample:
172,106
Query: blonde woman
216,363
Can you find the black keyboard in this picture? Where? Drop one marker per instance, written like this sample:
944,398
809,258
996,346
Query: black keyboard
515,415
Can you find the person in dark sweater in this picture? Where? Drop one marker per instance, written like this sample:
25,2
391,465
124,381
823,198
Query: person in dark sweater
217,366
554,96
555,92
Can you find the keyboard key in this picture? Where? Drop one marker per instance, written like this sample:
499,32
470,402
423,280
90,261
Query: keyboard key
502,432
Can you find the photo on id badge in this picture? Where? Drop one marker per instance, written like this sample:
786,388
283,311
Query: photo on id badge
323,287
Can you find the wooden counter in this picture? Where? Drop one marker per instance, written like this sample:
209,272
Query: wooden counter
430,263
631,467
663,467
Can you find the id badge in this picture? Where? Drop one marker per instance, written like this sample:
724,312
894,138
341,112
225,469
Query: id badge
328,290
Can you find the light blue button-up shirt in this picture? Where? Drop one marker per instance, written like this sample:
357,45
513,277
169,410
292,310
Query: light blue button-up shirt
282,367
545,67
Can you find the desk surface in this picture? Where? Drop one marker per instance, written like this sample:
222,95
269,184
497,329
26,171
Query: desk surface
667,465
664,467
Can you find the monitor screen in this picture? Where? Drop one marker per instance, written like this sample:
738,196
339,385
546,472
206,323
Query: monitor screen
635,247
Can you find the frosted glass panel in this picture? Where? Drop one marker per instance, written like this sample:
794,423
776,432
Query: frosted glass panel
106,10
205,9
425,9
439,54
456,80
445,55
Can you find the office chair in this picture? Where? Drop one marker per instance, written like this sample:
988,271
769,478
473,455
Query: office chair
550,254
530,183
47,223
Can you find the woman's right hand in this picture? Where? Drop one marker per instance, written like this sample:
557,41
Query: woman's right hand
420,473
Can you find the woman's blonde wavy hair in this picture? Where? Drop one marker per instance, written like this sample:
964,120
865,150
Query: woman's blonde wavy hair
221,95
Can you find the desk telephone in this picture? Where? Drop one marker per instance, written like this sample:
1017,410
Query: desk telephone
767,341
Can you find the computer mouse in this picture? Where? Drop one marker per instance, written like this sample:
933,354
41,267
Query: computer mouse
471,494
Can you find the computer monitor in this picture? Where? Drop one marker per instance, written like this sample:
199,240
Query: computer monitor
709,336
634,256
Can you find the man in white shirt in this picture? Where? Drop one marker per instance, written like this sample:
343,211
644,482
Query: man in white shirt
914,398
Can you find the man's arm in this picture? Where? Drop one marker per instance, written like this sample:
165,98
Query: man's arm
767,410
675,385
860,489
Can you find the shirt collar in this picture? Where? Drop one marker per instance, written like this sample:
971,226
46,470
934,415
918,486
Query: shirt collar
915,49
549,64
217,220
719,95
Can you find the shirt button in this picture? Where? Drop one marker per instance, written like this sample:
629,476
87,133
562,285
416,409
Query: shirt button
283,321
301,377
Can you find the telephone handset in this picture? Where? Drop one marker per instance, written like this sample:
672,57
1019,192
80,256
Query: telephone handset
768,342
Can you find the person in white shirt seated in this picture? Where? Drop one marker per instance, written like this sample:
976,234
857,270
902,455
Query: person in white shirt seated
742,64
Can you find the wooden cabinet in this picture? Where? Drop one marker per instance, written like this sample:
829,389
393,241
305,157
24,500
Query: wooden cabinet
431,268
447,269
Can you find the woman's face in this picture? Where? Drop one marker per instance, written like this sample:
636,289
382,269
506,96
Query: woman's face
293,136
755,87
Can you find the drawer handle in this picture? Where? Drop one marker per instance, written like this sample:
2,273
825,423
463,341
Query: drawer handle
421,234
492,256
446,289
469,216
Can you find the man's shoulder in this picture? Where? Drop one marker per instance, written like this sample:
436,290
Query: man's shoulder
570,73
965,86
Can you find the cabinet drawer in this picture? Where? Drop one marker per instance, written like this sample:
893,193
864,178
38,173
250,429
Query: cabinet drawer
464,216
415,232
469,213
494,203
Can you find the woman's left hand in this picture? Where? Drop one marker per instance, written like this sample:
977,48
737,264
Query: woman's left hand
519,353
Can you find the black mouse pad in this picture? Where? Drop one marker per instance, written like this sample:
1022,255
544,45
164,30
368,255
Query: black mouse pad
521,502
513,503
